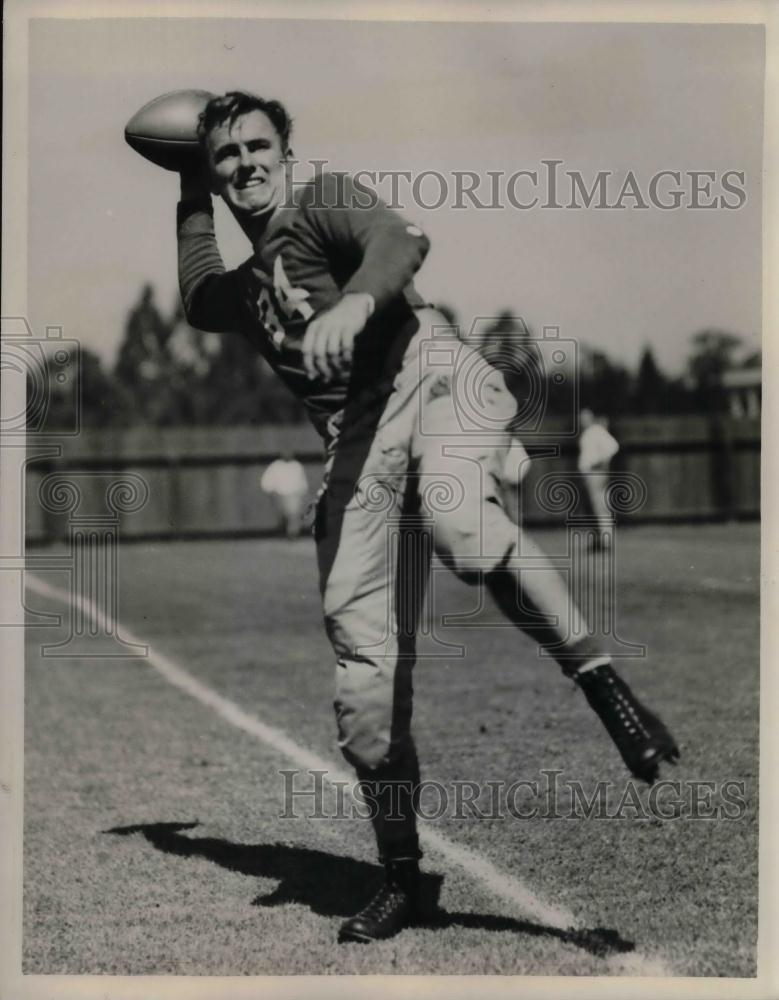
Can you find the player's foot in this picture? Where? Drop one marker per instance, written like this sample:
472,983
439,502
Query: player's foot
392,908
641,738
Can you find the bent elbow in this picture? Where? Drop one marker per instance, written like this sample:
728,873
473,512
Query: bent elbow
198,309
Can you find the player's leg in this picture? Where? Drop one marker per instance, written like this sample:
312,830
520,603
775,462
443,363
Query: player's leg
373,564
531,600
478,541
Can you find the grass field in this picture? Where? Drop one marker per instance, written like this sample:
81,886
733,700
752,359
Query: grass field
154,840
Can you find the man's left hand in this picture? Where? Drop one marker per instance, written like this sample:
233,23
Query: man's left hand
329,341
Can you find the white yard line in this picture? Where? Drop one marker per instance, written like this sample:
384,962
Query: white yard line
498,883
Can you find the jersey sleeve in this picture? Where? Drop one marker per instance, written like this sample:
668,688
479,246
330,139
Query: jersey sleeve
213,297
388,249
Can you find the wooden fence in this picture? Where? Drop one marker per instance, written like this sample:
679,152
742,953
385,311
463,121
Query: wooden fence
204,482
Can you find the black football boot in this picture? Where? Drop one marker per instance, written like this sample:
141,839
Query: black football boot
392,908
641,738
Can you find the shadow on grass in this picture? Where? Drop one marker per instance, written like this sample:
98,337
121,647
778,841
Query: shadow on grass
335,886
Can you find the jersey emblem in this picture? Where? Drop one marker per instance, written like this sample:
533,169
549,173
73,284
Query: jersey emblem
291,300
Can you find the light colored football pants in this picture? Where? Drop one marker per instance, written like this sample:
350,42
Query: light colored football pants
425,474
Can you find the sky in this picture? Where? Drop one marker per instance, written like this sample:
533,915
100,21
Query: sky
422,96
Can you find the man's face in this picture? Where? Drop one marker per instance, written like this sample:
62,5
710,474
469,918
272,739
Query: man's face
247,164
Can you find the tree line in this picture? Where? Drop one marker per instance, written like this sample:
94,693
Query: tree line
168,374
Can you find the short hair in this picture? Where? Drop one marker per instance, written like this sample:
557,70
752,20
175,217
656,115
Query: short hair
234,104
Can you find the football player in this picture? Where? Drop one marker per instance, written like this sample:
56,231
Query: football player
327,297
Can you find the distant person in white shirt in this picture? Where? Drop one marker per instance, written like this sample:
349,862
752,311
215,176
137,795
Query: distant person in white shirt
285,482
596,450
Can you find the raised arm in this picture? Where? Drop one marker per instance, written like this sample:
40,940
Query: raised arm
212,296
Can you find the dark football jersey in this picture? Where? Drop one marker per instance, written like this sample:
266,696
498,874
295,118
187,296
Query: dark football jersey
320,246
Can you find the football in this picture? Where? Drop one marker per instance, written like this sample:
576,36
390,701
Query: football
164,131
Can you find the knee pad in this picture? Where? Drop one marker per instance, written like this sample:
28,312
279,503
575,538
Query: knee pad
472,553
365,738
363,756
